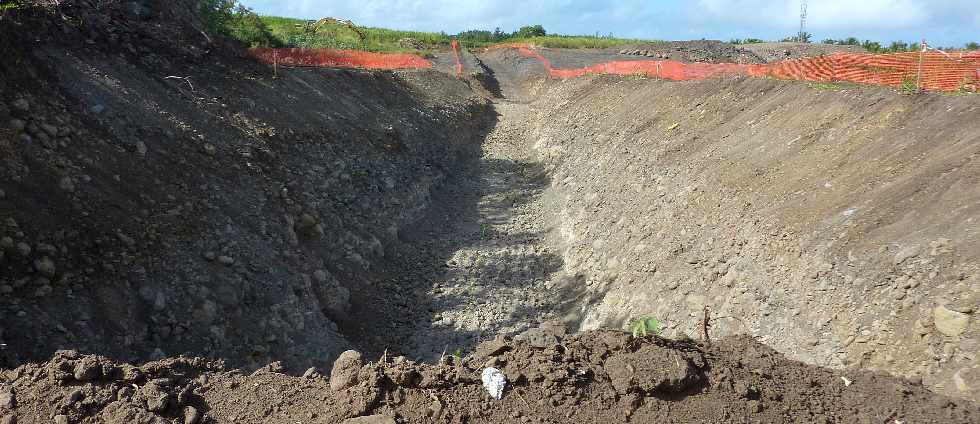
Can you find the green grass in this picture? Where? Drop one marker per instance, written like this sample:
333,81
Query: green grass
290,32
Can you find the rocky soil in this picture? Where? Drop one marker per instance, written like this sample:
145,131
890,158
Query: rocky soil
596,377
838,226
228,214
166,202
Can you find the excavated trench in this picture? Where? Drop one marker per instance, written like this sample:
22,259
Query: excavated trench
255,218
821,222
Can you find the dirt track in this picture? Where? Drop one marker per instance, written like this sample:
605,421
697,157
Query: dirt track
268,224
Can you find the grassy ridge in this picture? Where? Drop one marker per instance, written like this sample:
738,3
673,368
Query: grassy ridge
290,32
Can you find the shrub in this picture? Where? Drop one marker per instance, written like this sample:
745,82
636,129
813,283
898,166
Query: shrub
531,31
973,45
228,17
910,86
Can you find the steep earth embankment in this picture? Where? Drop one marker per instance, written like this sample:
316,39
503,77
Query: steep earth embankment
161,198
160,195
838,226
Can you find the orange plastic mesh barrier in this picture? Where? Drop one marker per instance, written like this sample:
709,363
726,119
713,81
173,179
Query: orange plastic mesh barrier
940,72
459,61
339,58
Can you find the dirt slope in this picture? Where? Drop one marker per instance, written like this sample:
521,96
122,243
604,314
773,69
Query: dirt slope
160,195
228,214
838,226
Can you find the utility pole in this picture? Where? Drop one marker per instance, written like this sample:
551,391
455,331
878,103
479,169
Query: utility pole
801,37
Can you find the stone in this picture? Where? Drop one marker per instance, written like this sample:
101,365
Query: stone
50,130
320,276
950,322
226,260
60,419
372,419
75,396
87,369
24,249
7,400
210,149
310,373
9,419
906,254
157,395
46,267
191,415
127,240
345,368
97,109
67,184
17,125
43,291
21,105
141,148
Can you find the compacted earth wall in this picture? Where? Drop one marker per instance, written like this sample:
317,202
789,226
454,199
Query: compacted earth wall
839,226
161,195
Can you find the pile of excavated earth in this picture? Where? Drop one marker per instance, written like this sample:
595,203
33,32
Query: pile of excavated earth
188,236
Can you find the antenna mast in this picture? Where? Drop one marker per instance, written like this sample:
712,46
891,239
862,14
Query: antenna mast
801,37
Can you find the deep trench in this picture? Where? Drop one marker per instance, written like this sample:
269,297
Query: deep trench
477,264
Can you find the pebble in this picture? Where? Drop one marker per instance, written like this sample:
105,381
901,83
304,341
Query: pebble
75,396
51,130
127,240
226,260
210,149
46,267
24,249
320,276
191,415
21,105
141,148
906,254
67,184
43,291
7,400
950,322
60,419
17,125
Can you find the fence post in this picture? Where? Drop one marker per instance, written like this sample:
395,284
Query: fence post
922,53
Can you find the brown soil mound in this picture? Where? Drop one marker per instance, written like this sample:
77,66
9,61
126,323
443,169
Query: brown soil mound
595,377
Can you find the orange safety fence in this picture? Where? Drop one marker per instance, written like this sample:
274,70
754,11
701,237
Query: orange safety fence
939,71
339,58
459,61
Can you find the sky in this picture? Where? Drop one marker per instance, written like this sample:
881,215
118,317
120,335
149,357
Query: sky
942,23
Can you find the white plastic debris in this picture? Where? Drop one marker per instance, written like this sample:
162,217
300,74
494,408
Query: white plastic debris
494,381
847,381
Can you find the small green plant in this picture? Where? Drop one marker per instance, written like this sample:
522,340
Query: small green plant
910,86
636,76
643,326
826,86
